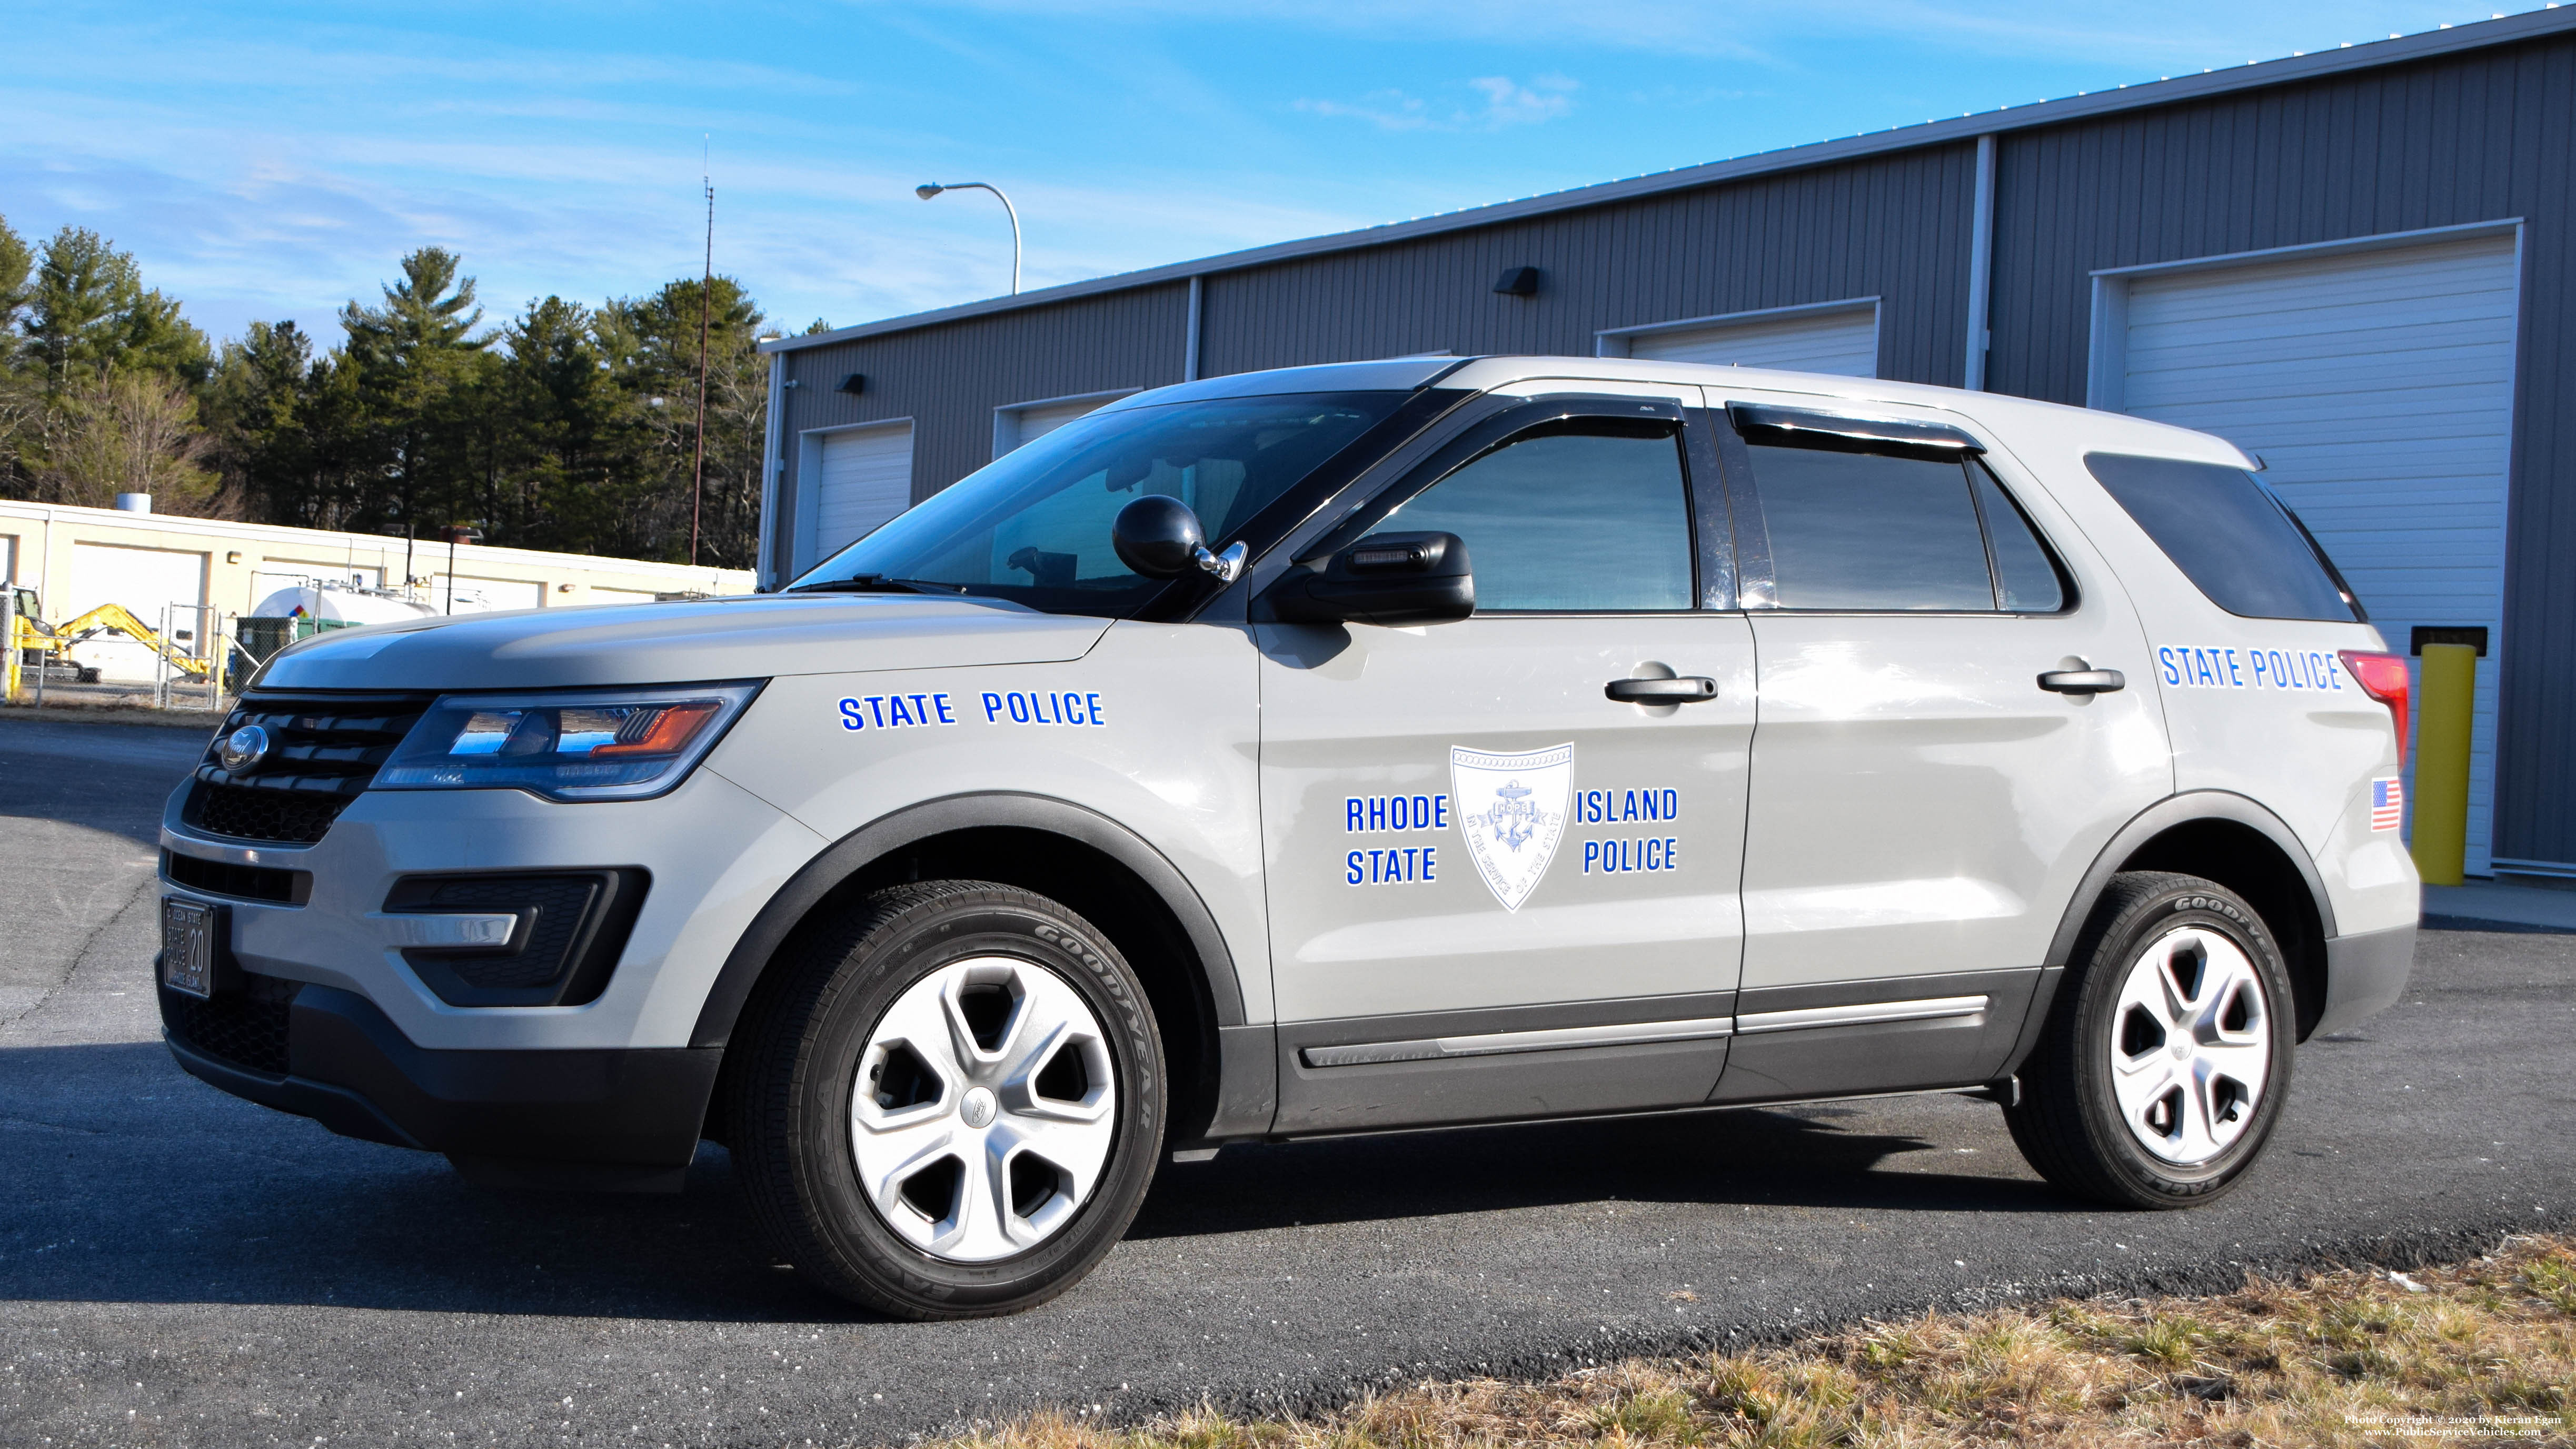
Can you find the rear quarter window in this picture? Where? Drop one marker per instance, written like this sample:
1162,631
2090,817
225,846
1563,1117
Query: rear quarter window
2228,535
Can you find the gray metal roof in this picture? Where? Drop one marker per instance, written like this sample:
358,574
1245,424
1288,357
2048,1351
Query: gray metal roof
2445,41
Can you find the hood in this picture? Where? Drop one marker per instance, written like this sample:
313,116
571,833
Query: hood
756,637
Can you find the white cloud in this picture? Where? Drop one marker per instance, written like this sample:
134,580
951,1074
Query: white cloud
1503,102
1510,104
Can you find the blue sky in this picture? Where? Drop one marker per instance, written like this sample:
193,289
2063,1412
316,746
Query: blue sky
271,160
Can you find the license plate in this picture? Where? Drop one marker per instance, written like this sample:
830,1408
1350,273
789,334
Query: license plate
188,947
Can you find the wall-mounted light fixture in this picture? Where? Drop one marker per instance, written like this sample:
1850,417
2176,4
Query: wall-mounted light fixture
854,383
563,588
233,557
1518,282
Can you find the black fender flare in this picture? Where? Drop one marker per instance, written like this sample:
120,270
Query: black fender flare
854,852
2146,825
2164,815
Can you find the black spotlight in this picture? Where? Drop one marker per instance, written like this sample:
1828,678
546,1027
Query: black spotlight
1518,282
855,382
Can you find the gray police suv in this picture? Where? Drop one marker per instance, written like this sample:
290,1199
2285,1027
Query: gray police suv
1333,750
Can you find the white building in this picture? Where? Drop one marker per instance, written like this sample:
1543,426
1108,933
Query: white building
216,570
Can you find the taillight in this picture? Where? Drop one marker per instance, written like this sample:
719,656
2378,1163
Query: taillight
2383,678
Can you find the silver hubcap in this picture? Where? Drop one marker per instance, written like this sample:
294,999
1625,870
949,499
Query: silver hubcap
2191,1046
984,1109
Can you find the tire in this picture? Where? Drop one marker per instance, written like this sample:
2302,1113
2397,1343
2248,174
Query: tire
980,1174
2167,1054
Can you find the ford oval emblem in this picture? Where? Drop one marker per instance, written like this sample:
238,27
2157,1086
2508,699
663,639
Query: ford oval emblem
243,749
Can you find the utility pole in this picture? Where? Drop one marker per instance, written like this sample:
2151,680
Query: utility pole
457,533
706,305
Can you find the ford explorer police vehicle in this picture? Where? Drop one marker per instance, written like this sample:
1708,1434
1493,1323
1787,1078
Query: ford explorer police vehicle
1332,750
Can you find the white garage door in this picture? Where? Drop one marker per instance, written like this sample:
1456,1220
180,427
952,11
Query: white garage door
1017,427
1843,342
144,580
484,596
866,478
2379,387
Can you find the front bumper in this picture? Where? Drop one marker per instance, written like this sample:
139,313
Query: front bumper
599,1118
714,855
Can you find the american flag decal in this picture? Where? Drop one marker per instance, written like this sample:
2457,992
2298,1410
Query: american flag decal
2387,804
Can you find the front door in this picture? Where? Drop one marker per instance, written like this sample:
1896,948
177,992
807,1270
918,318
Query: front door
1924,802
1495,891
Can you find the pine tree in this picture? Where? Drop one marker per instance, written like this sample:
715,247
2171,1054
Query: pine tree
21,392
571,430
89,314
654,341
259,406
413,362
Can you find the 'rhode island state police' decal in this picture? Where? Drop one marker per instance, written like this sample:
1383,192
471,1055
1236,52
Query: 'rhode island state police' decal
1511,808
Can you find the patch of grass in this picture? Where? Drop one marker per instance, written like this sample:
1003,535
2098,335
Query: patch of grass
2343,1360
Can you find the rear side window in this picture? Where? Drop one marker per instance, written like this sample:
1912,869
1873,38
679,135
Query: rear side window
2026,578
1887,531
2228,535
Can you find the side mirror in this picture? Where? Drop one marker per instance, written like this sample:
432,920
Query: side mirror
1158,536
1389,579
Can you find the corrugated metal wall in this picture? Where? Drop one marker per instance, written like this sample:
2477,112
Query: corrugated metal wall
949,379
1903,221
1895,227
2486,136
2479,136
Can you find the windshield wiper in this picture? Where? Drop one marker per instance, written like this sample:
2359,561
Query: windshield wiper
868,584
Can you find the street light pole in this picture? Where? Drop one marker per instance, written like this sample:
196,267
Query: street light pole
929,189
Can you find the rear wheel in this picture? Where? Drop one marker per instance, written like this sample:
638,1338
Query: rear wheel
954,1105
2167,1055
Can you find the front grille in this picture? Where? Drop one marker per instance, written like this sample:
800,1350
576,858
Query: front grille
264,815
245,1028
324,749
242,882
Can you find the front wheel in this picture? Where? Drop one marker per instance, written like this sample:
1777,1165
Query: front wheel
2166,1055
953,1106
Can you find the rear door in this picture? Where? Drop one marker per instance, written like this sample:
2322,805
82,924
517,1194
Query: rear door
1494,891
1923,803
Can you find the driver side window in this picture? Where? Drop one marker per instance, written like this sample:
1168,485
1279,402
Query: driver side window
1593,518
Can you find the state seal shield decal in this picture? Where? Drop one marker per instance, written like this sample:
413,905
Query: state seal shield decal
1511,809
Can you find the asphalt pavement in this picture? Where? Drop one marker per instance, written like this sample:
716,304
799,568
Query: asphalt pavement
179,1267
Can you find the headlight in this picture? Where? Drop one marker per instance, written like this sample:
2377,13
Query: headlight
587,744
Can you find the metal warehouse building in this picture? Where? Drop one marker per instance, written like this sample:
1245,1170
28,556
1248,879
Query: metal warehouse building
2356,264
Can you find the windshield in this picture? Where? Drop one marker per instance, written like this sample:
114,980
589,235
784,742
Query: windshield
1034,525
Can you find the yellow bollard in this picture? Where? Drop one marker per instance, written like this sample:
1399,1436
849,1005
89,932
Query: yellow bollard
2445,698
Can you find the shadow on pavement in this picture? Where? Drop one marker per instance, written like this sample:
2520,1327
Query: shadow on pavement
1780,1158
123,1180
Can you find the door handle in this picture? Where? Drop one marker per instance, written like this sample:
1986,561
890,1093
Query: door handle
2083,681
1689,689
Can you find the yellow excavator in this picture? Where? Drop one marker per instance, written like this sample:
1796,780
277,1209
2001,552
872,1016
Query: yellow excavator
37,644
